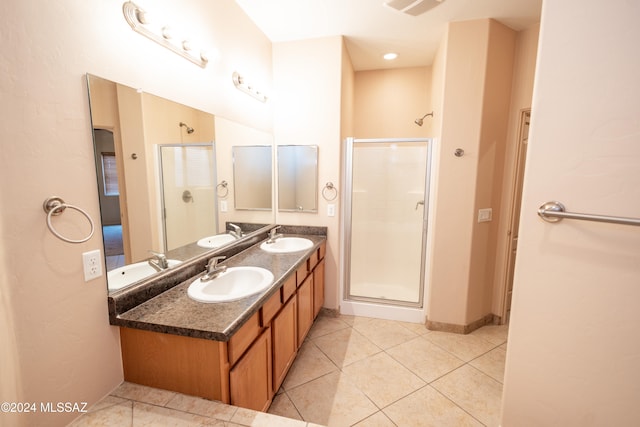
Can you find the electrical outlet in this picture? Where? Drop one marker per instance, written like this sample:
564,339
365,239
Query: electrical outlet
92,265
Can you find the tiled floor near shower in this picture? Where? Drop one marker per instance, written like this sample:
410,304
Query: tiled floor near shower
351,371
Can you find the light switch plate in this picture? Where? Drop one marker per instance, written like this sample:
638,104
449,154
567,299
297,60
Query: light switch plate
484,215
331,210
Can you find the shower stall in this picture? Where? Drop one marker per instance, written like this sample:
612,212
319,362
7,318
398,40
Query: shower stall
385,211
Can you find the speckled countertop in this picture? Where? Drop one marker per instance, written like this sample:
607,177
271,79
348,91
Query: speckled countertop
174,312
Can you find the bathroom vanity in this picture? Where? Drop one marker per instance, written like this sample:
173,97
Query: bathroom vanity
238,352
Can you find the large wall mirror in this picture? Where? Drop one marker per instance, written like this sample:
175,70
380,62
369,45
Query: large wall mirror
298,178
165,171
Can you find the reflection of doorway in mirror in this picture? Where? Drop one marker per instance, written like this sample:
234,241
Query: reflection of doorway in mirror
187,183
109,195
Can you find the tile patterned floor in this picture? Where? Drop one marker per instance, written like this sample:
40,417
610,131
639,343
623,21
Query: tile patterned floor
350,371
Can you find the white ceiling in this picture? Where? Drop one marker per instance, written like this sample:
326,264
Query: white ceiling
372,29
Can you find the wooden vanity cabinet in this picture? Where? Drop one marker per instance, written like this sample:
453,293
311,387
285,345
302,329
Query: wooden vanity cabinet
318,288
284,339
305,308
250,380
247,370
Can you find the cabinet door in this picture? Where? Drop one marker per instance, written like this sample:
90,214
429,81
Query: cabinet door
318,288
250,380
284,336
305,308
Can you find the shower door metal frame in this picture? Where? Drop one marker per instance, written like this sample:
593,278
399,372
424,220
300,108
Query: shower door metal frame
347,199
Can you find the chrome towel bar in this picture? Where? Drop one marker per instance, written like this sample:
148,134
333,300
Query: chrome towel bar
555,211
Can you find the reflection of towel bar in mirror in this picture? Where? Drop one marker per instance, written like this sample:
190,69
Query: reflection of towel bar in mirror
224,185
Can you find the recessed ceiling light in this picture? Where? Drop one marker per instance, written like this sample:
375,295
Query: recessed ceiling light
390,56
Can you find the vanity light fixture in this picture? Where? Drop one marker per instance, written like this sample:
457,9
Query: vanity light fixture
242,85
140,22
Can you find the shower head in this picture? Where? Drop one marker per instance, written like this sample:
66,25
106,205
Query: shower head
190,130
420,121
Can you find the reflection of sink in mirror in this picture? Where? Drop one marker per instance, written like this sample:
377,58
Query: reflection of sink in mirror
124,276
287,244
215,241
233,284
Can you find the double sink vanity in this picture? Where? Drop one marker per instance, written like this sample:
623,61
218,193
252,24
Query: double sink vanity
233,337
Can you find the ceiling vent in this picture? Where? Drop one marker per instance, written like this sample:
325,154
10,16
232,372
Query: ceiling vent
413,7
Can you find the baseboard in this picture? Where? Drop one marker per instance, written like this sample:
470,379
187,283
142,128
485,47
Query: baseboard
489,319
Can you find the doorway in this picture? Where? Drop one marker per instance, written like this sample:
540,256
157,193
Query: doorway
512,245
385,227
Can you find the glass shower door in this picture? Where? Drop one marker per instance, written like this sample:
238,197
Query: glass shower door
386,219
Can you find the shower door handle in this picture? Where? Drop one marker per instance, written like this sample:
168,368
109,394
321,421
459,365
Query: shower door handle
420,202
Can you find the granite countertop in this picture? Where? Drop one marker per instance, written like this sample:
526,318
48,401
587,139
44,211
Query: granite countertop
174,312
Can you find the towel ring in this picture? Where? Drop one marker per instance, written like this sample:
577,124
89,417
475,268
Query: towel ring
225,186
55,206
329,187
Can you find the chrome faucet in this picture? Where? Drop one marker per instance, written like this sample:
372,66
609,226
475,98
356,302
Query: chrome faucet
213,269
236,232
158,261
273,236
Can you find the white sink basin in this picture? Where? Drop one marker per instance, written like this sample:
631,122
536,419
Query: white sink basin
215,241
234,284
124,276
287,244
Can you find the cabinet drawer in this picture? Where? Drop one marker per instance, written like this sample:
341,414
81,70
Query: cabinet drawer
270,308
301,273
242,339
312,261
322,250
289,288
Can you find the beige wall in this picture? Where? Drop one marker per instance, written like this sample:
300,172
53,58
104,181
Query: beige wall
474,95
492,145
573,352
521,93
387,102
57,344
308,111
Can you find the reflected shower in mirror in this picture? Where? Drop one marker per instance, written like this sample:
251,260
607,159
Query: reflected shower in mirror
298,178
252,176
129,127
188,181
